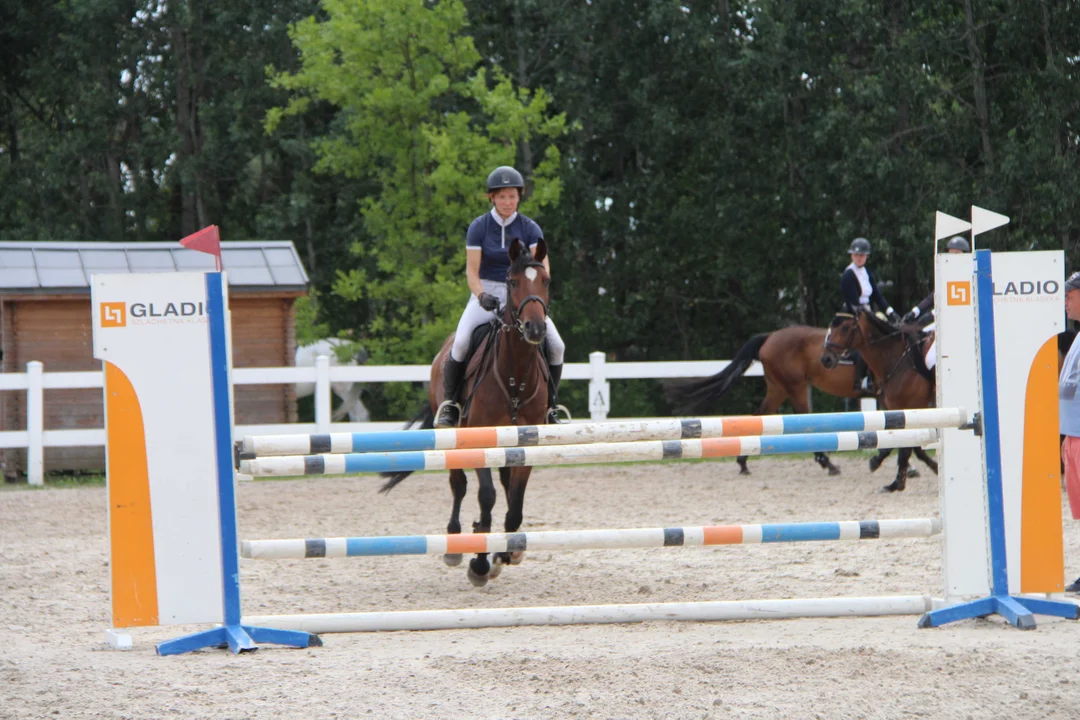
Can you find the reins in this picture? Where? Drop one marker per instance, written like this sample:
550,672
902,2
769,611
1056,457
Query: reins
908,346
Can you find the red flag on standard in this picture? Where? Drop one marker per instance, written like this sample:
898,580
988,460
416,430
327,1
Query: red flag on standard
206,240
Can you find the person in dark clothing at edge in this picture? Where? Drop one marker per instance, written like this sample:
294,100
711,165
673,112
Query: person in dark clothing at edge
923,313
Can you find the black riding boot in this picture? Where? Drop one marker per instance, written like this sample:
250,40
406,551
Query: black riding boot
554,408
863,382
449,412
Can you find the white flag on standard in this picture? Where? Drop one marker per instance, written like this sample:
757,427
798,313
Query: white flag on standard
983,220
947,226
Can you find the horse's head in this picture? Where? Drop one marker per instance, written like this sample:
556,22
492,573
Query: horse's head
849,331
844,334
527,290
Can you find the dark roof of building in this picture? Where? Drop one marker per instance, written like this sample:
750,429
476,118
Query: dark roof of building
57,267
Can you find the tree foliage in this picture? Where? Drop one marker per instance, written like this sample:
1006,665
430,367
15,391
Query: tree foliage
699,168
423,123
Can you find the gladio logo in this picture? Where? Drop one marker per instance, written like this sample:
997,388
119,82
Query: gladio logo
959,293
113,314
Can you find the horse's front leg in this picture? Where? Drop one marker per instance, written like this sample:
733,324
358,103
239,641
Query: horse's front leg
875,462
903,457
927,460
459,483
514,482
824,461
479,567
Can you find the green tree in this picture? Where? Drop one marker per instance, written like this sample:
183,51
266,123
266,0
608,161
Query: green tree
420,120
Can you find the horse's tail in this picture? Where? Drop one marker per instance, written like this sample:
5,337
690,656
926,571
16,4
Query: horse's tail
426,418
697,396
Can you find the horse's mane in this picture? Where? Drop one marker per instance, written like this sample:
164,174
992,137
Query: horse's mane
911,332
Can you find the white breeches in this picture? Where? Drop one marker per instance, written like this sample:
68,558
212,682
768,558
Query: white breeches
474,316
931,352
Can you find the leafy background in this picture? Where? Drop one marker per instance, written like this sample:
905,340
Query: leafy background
698,167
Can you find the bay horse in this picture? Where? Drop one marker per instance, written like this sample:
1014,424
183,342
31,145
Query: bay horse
506,383
791,359
894,356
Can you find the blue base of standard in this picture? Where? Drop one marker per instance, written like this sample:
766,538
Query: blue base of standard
1018,611
238,638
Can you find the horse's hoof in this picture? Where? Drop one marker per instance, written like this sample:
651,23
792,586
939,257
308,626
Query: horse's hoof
875,463
894,487
744,471
452,560
475,579
516,557
833,470
496,568
913,473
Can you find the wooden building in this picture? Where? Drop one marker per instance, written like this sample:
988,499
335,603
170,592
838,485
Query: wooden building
45,316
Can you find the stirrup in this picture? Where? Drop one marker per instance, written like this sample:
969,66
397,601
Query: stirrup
448,414
553,415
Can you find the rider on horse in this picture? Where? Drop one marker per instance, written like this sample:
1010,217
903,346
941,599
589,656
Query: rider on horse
859,288
487,263
923,313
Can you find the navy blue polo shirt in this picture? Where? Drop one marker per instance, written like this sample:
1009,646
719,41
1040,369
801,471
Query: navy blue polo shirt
486,233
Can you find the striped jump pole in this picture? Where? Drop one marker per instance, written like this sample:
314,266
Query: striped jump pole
587,433
410,461
599,614
589,539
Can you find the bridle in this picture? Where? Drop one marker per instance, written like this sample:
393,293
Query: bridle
836,348
515,311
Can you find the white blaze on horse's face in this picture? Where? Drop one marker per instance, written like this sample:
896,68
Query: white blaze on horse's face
530,273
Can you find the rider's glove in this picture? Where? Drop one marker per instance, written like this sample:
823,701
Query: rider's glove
488,301
893,317
910,317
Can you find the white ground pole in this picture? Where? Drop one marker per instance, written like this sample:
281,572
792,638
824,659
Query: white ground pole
599,614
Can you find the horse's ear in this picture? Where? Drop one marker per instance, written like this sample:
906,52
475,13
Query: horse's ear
515,250
540,251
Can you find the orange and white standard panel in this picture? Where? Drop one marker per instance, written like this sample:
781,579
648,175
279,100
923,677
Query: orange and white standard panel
151,332
1028,314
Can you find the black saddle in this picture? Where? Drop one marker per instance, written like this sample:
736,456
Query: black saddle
478,335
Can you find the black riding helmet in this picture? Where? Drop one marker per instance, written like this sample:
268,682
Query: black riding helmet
1073,283
859,246
958,243
505,177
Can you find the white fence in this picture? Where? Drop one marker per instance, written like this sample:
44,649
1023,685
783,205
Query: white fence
35,438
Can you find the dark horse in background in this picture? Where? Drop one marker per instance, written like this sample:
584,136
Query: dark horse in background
507,384
791,359
895,357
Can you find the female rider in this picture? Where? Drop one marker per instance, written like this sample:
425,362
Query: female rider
487,260
859,288
858,284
